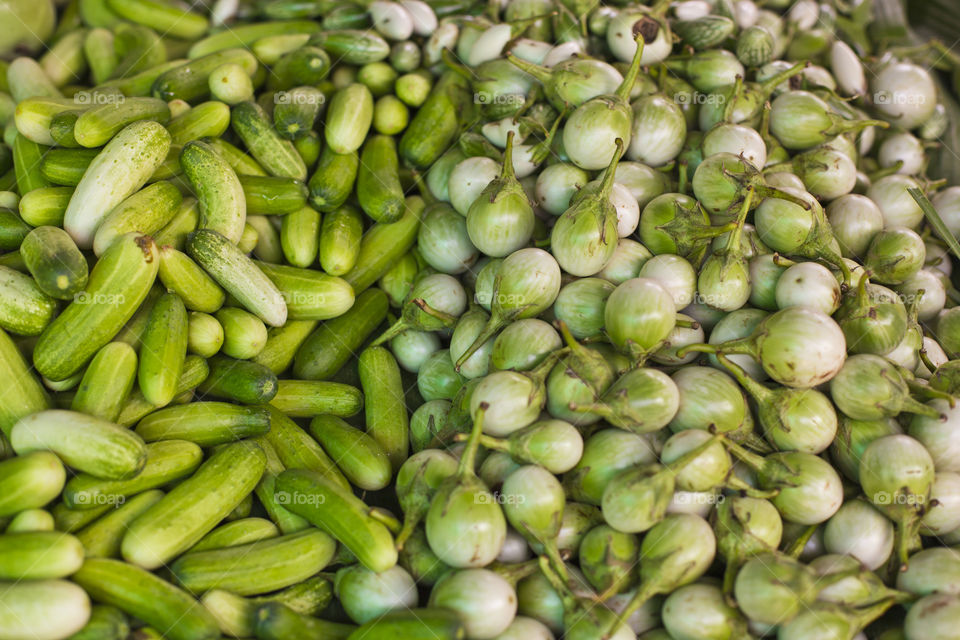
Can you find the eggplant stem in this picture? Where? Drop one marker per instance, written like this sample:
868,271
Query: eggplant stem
795,548
468,459
386,519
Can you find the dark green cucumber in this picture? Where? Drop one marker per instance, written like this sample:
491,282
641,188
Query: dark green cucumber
55,262
205,423
340,238
190,81
437,123
274,153
415,624
296,111
353,46
332,182
239,380
147,597
385,244
13,230
386,410
329,347
306,65
378,180
272,195
24,308
275,621
195,506
66,166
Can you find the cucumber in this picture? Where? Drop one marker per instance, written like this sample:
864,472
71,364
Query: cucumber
386,410
275,621
168,19
378,181
337,511
297,110
309,398
27,165
190,80
101,538
70,520
257,567
332,182
24,308
310,295
195,371
117,172
250,236
414,624
183,223
85,443
266,491
223,206
39,555
300,236
13,230
146,597
236,533
67,166
352,46
183,276
358,455
283,343
62,126
133,330
349,117
45,206
246,34
166,461
309,147
98,47
209,119
107,382
236,615
42,609
146,211
195,506
118,284
205,423
106,623
270,195
437,122
24,395
306,65
244,334
31,520
239,380
242,163
328,348
30,481
55,262
32,117
204,334
26,79
275,154
138,48
385,244
164,347
340,238
297,450
96,126
238,275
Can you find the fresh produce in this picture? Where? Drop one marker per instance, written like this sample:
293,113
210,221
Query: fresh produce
479,320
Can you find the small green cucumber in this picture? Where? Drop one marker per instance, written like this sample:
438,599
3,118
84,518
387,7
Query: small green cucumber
349,117
275,154
223,207
24,395
332,181
309,294
30,481
340,238
384,244
386,410
272,195
275,621
309,398
297,450
101,538
183,276
107,382
55,262
238,532
205,423
25,309
39,555
195,371
208,119
204,334
239,380
300,236
378,180
97,125
358,455
244,333
42,609
163,350
146,211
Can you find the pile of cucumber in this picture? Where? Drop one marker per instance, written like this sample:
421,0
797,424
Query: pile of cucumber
475,320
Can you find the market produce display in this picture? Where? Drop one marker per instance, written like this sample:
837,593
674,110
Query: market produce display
478,320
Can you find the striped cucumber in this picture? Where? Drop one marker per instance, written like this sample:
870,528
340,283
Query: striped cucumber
300,236
85,443
195,371
166,461
275,621
101,538
24,395
297,450
97,125
107,382
272,195
340,238
337,511
332,181
386,410
205,423
358,455
257,567
147,597
118,171
330,347
117,285
236,533
223,206
349,116
309,398
42,609
146,211
67,166
55,262
183,276
239,380
378,180
275,154
163,350
384,244
195,506
30,481
24,308
39,555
